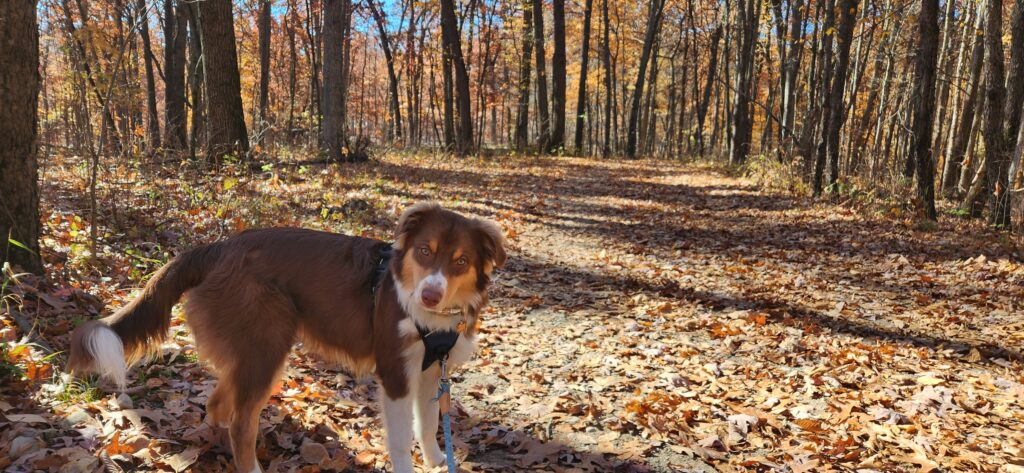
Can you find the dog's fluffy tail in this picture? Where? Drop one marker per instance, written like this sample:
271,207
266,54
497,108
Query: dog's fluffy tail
107,346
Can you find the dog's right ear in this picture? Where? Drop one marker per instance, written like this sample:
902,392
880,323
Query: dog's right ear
410,221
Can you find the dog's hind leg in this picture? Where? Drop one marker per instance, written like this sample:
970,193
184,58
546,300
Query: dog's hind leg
251,382
218,407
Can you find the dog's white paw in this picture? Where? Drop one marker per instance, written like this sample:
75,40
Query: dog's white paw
432,455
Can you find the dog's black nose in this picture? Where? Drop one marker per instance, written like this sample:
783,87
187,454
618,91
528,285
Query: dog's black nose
430,297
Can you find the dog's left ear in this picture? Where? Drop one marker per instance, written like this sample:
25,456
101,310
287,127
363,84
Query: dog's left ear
493,244
410,221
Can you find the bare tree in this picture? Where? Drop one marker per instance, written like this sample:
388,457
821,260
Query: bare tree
523,109
955,156
558,79
263,25
581,98
653,23
606,55
452,45
152,121
747,22
395,128
705,101
542,78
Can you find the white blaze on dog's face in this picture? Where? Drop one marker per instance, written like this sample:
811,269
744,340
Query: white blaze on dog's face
444,259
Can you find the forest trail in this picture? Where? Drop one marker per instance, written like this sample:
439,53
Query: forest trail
653,316
703,324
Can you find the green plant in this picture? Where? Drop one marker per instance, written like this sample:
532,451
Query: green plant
80,390
959,212
9,369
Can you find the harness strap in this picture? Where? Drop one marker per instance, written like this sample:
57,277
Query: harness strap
436,344
383,258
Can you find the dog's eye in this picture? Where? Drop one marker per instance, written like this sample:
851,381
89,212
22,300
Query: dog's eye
424,251
461,261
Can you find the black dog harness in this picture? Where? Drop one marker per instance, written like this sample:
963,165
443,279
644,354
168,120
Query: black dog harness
437,343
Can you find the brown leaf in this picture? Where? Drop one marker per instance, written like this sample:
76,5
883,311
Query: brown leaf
537,451
810,425
181,461
313,452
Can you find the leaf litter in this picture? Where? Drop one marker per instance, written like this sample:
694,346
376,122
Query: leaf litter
654,316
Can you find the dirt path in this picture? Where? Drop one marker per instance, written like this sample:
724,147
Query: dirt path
652,317
685,321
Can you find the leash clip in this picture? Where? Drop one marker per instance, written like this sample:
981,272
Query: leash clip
444,389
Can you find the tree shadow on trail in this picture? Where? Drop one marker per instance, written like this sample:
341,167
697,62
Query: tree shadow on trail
777,310
718,217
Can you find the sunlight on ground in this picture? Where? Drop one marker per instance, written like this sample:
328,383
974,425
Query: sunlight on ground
653,316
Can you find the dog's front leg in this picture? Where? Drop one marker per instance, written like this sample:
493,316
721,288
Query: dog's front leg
398,424
426,417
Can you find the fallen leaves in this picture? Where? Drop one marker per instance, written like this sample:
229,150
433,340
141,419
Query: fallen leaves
653,317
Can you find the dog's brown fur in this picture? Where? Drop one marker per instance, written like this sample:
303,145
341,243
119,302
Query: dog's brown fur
250,298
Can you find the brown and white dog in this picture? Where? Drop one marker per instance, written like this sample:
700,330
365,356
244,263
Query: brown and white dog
251,297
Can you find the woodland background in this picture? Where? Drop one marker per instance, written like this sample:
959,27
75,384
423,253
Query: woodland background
772,235
874,95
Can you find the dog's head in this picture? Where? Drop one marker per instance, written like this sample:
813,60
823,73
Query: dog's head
443,260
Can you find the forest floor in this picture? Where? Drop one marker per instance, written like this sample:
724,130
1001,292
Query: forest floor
653,316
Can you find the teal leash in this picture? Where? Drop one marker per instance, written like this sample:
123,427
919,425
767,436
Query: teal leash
445,388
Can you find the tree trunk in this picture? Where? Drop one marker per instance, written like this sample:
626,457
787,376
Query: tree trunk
314,53
653,23
452,45
412,74
945,61
1014,106
523,109
1015,75
927,60
293,59
705,101
859,143
747,23
263,25
606,55
448,83
970,155
847,20
196,78
152,120
542,79
225,131
333,141
647,106
581,97
174,75
395,129
955,156
19,95
996,158
558,79
825,83
792,68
